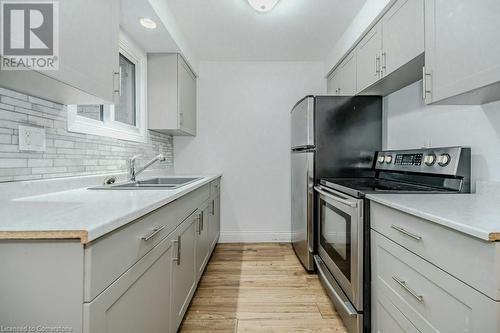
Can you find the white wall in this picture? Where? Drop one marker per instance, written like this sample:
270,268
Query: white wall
244,132
410,124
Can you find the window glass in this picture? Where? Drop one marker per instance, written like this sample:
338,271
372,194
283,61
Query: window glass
90,111
125,110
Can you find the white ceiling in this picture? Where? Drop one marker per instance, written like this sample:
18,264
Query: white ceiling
231,30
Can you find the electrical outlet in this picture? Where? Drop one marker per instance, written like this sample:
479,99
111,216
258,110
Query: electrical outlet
31,138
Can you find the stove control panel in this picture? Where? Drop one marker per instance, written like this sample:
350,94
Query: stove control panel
427,160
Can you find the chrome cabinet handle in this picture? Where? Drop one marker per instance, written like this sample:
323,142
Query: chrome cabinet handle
384,63
213,208
425,90
377,65
174,242
181,119
405,232
404,285
202,221
178,250
333,197
153,233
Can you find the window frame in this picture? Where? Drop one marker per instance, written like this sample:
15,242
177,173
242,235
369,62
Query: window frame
109,127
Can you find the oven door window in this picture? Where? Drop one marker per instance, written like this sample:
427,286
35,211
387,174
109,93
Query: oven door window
336,236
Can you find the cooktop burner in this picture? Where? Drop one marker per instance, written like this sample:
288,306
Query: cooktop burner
375,185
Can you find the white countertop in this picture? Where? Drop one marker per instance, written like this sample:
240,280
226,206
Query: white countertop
477,215
85,212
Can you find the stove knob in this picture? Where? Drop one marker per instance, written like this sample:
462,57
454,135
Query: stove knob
429,160
444,160
381,159
388,159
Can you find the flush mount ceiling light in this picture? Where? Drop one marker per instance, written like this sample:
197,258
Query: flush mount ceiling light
147,23
263,5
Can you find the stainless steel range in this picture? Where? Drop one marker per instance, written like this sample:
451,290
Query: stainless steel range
343,259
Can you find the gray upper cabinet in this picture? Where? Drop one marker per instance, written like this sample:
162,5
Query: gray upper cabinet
139,301
368,58
342,81
462,52
348,76
171,95
88,57
333,83
403,34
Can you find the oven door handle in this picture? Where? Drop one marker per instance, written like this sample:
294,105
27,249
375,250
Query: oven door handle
330,195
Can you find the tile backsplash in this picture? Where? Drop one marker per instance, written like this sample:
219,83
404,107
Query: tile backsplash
67,154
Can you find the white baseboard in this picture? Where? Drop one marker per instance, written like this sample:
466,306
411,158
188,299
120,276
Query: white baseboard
255,237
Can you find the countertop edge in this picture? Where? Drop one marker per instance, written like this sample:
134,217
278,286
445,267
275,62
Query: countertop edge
459,227
81,235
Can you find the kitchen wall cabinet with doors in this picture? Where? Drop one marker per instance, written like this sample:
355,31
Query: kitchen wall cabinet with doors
171,94
138,278
428,278
88,62
462,51
390,56
342,81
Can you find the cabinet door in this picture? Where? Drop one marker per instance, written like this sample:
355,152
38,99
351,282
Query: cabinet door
386,318
332,85
139,301
403,34
368,54
88,49
214,226
347,69
202,241
187,98
462,51
183,270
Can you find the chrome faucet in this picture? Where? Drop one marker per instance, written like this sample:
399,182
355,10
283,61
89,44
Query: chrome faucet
133,172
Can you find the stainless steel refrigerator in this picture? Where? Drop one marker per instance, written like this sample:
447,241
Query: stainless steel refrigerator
331,136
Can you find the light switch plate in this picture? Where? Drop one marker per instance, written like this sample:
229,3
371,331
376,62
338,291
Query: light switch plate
31,138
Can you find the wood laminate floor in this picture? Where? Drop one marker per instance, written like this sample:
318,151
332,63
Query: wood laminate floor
259,288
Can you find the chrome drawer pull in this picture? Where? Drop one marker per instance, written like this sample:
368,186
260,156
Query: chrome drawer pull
153,233
402,283
405,232
178,242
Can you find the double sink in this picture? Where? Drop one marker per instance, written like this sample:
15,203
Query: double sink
164,183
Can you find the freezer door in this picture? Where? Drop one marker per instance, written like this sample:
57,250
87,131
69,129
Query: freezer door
302,118
302,187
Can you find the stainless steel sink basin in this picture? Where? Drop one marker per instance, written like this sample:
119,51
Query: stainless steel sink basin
163,183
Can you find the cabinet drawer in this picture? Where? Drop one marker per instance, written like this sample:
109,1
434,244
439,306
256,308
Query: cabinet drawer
471,260
432,300
139,300
111,255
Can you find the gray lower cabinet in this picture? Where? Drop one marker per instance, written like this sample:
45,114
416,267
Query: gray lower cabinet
139,301
202,241
416,286
138,278
183,280
214,216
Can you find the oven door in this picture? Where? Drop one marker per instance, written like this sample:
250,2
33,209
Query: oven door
340,220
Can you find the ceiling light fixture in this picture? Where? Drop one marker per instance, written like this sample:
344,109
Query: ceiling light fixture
263,5
147,23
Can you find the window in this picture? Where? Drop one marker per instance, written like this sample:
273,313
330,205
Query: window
127,118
